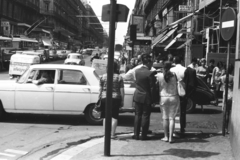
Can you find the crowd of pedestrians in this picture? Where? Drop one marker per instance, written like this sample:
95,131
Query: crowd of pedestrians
152,84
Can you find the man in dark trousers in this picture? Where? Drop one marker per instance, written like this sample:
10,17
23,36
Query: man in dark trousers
144,79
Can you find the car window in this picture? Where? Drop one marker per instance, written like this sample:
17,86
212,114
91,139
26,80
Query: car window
71,77
38,74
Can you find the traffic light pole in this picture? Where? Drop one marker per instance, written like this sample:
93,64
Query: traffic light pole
108,121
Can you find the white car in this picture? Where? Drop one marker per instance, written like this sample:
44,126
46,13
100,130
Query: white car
73,90
75,59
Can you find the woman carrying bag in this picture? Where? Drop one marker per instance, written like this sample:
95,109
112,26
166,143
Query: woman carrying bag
117,97
169,100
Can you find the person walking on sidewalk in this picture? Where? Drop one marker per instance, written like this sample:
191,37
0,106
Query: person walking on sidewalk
117,97
179,70
169,100
143,98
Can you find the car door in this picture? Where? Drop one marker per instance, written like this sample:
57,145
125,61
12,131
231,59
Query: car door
72,91
32,97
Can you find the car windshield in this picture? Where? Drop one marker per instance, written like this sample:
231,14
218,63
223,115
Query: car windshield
23,77
75,57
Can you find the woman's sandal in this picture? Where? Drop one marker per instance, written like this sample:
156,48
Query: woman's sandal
164,139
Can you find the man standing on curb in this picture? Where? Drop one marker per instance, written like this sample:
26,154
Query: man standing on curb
179,70
143,98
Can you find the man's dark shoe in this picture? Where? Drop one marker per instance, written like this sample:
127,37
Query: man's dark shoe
149,132
145,138
135,137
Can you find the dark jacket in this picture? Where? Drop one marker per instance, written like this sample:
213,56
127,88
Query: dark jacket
190,81
144,84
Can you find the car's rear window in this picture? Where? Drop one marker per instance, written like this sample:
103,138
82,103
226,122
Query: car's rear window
75,56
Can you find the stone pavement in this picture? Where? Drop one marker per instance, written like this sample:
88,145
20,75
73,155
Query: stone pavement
194,145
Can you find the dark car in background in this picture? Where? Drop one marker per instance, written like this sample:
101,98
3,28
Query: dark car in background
53,54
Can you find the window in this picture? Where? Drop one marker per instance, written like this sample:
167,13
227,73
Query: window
47,76
46,5
71,77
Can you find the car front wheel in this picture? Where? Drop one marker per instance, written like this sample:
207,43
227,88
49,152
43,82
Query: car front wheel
93,117
190,106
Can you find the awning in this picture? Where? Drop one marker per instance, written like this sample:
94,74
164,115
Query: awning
46,42
166,36
173,41
5,38
184,44
158,38
24,40
183,19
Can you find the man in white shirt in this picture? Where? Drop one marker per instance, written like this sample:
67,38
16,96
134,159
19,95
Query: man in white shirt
179,70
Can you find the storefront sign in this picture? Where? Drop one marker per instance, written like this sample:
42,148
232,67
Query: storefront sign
5,24
139,21
185,8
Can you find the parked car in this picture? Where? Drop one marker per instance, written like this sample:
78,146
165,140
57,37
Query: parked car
75,59
202,96
61,54
74,90
53,54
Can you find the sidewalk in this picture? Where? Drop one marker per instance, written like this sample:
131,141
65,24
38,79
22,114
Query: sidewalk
195,145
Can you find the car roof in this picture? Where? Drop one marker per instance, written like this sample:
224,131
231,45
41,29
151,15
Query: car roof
62,66
74,54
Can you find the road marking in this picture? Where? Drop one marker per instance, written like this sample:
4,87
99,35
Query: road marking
68,154
16,151
9,155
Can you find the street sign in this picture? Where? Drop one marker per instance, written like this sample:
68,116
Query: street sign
228,24
121,13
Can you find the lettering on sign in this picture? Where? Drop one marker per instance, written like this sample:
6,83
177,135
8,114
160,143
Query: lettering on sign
5,24
185,8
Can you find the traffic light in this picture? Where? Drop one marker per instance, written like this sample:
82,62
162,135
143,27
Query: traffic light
133,32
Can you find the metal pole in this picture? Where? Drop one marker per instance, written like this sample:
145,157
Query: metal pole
226,92
132,49
108,121
220,22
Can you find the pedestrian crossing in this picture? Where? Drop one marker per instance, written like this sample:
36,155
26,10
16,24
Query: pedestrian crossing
10,154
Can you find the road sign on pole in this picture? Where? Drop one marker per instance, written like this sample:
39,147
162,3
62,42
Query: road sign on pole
228,27
114,13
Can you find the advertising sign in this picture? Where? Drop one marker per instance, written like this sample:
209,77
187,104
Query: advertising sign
100,66
139,21
203,3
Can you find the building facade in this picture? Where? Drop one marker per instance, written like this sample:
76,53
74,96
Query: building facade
61,22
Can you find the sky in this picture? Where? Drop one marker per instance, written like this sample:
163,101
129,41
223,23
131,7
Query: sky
121,30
